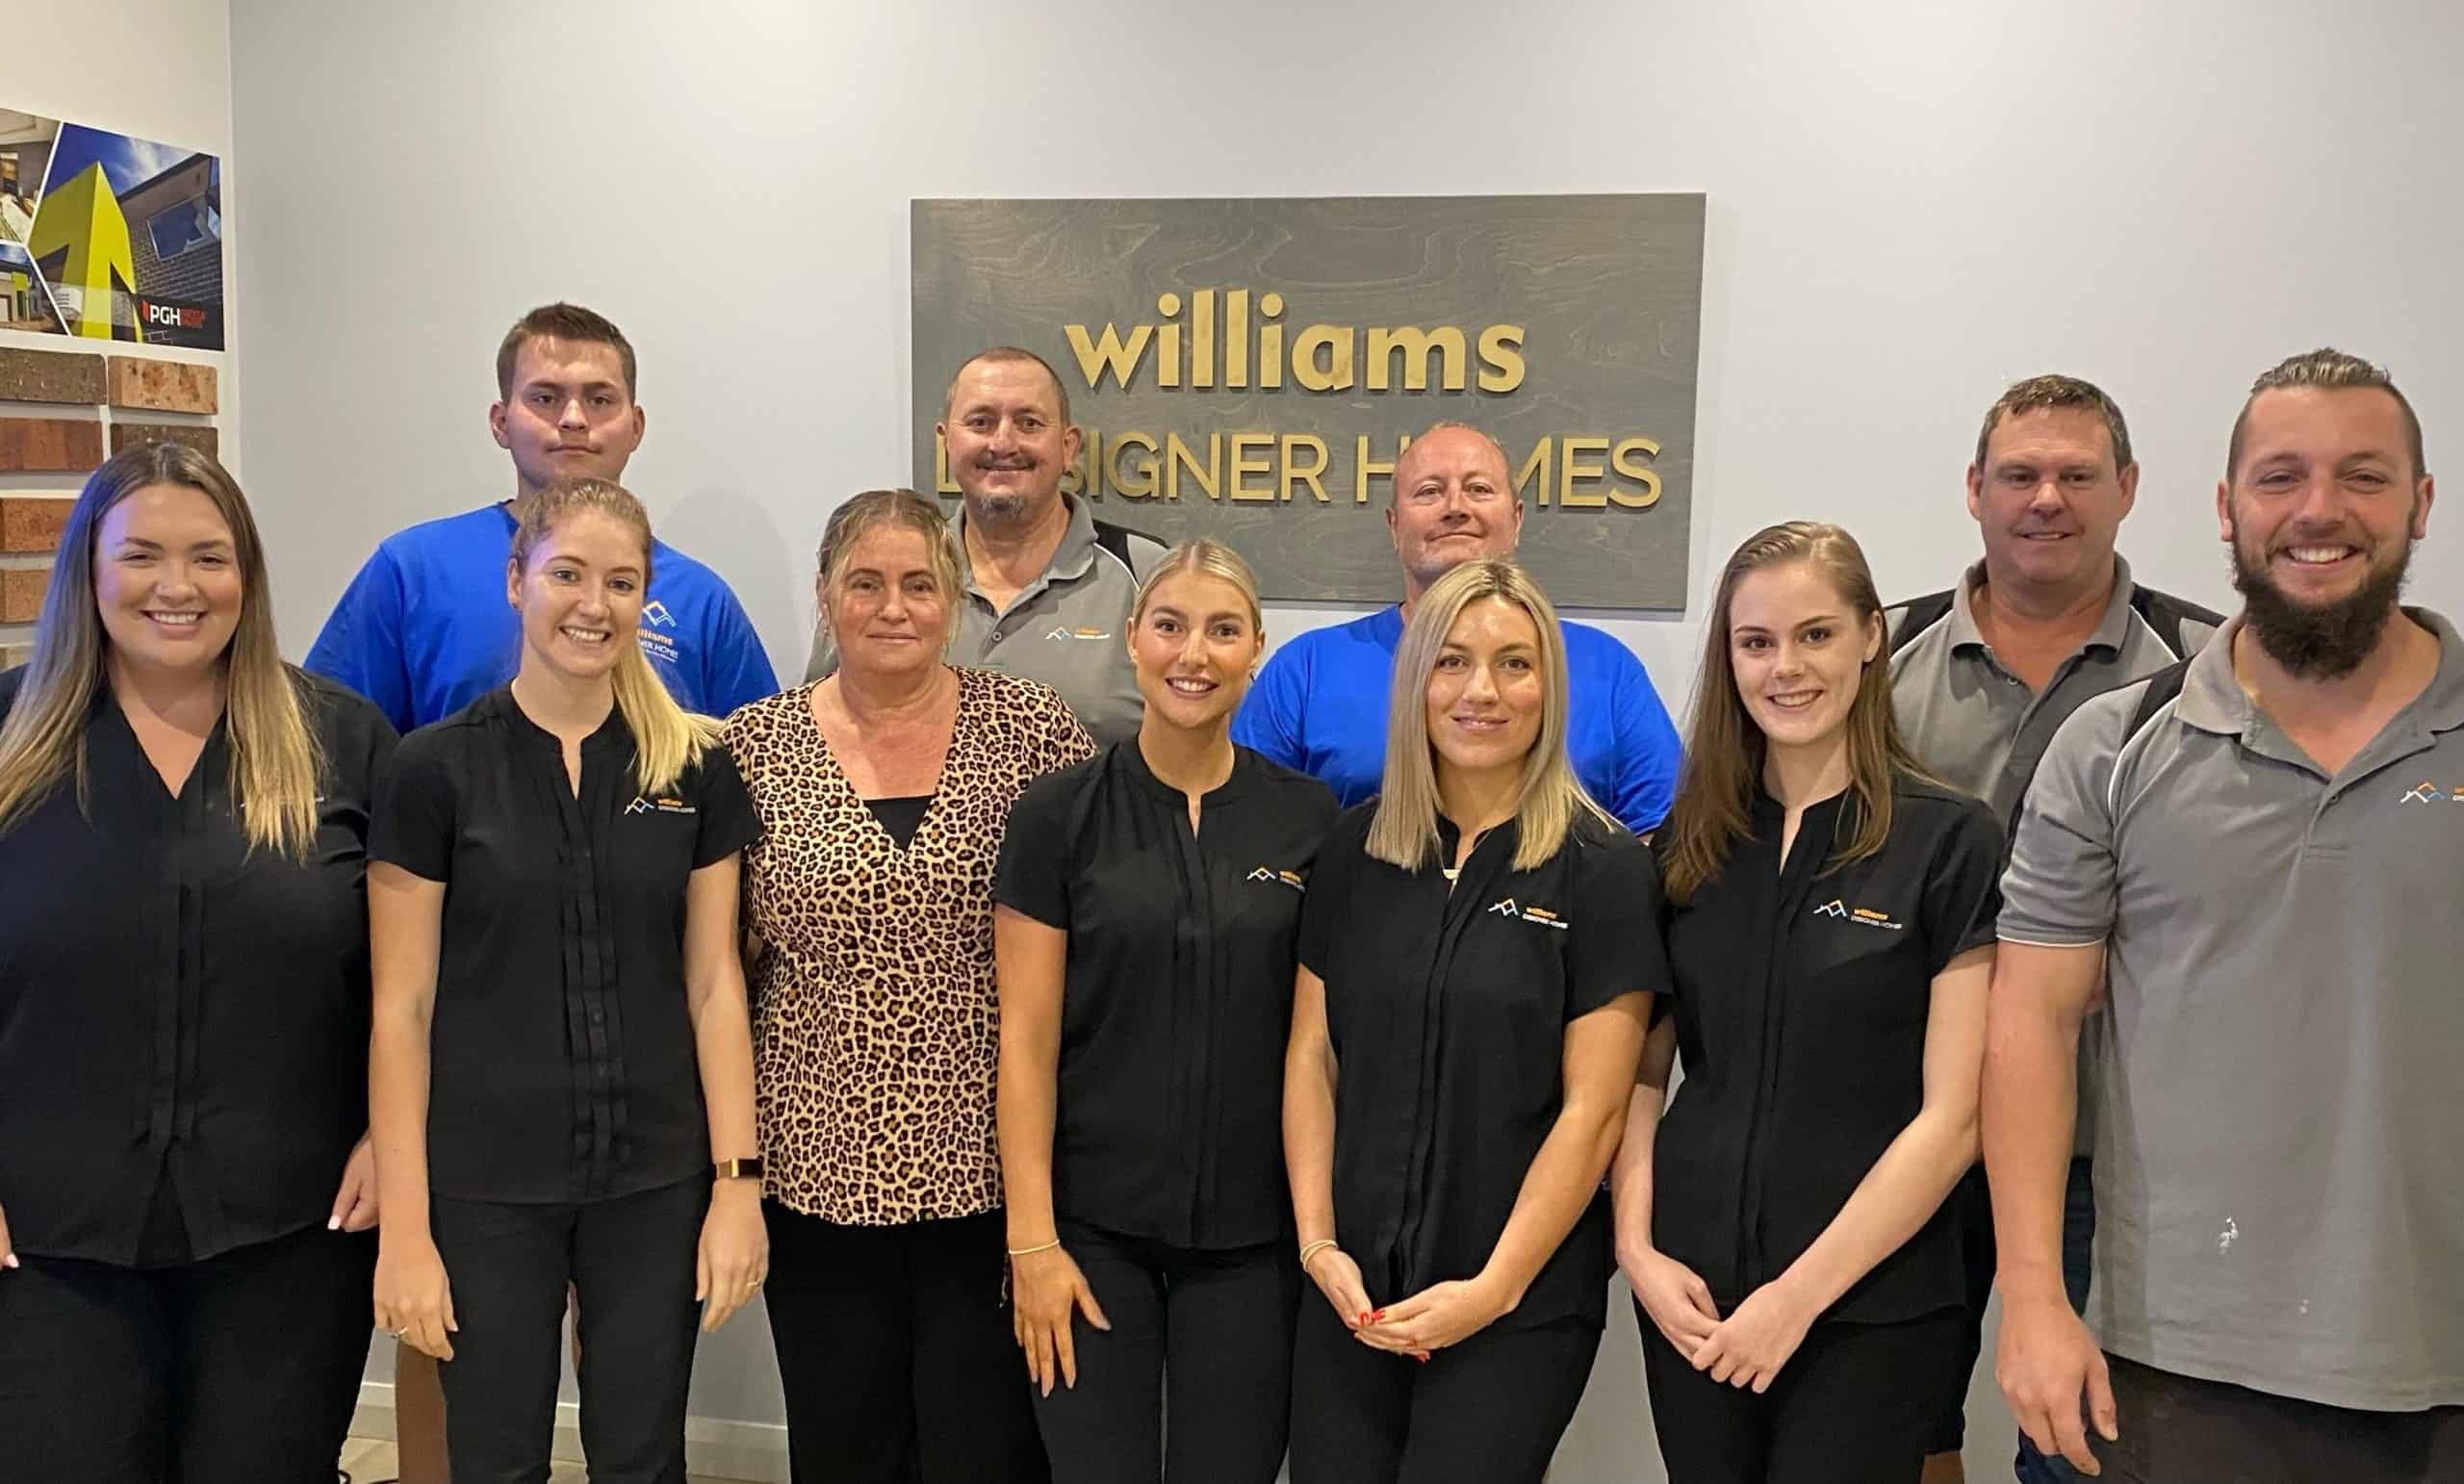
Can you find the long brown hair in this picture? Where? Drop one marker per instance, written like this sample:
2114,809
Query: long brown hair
667,738
1403,832
1723,748
274,756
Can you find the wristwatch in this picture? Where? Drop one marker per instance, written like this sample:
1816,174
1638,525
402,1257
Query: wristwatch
739,1169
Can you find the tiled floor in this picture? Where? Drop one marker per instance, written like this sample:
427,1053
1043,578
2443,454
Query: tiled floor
370,1460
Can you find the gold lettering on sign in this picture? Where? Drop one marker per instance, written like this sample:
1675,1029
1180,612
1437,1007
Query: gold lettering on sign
1321,358
1534,474
1167,342
1296,472
1133,484
1636,470
1571,449
1243,466
1416,345
1178,456
1363,466
1502,353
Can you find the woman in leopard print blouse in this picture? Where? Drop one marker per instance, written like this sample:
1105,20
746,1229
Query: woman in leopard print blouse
881,791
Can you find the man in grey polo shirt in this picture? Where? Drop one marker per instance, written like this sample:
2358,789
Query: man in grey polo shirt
2259,853
1048,586
1983,673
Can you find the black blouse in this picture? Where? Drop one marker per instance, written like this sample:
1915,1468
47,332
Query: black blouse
1176,1004
1447,1012
1801,1000
561,1055
176,1006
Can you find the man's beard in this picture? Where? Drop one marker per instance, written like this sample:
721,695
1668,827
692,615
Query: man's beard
2322,643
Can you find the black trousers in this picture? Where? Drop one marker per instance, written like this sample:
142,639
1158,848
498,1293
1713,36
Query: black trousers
1206,1335
1971,1203
896,1355
630,1261
1488,1411
1852,1406
2178,1429
241,1369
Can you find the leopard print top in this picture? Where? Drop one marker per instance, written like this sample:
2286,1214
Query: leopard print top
874,1026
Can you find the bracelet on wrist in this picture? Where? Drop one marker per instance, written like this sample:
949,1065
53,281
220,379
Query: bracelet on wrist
1310,1250
1031,1251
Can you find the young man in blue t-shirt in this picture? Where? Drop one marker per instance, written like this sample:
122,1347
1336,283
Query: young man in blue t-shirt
424,629
1320,704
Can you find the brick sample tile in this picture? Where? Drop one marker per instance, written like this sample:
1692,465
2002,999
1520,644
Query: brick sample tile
200,436
50,376
49,446
164,386
31,522
22,590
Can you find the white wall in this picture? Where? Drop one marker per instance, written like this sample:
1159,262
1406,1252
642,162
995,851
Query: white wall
1909,207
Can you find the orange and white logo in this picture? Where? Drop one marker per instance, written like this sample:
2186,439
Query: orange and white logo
1861,916
1507,907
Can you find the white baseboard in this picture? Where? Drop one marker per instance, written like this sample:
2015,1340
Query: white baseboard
721,1449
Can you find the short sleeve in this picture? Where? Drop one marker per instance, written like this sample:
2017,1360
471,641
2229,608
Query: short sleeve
1963,887
1649,753
1613,944
1032,874
1066,741
736,668
728,822
2058,891
1269,721
1329,888
360,648
417,807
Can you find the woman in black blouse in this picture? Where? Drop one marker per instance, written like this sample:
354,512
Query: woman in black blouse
183,1009
1829,939
562,1072
1146,905
1478,953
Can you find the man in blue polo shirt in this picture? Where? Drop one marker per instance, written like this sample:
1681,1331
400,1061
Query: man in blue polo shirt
1320,704
424,629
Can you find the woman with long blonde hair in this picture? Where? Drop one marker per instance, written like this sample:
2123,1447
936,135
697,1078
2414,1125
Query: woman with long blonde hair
1477,956
183,1007
1830,935
561,1076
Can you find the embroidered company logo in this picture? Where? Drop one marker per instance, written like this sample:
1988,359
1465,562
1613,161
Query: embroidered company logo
2426,792
1508,908
1063,633
662,804
1289,879
655,613
1862,916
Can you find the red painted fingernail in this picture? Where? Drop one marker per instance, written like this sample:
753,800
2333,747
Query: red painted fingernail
1378,1314
1364,1316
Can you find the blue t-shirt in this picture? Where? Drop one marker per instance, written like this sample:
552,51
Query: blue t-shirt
1320,706
425,629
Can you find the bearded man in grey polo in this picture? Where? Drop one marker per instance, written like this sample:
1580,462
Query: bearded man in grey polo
2258,853
1048,586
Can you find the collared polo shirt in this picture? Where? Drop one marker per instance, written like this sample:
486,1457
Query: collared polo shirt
561,1046
1802,995
2279,1160
1320,705
1976,724
1067,628
183,1017
423,631
1448,1013
1176,1001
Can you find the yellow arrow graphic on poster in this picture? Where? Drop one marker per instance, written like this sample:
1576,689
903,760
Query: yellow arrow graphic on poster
79,242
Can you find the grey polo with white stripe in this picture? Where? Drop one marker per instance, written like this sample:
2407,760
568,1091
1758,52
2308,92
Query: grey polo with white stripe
2279,1152
1980,728
1067,628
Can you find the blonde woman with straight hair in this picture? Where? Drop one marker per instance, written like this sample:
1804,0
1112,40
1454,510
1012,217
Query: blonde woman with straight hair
182,1005
562,1068
1148,899
1830,938
1478,953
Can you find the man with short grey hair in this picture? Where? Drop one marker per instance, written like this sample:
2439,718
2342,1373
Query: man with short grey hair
1048,586
1982,674
2256,851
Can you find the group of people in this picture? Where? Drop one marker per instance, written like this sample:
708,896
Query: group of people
1115,1054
